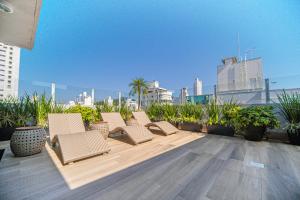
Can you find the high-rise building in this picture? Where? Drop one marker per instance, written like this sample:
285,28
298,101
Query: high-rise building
183,95
9,70
197,87
234,75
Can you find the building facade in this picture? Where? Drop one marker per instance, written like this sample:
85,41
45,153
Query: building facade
9,70
183,95
157,94
197,87
234,75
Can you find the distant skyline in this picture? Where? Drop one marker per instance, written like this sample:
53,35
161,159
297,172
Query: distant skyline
105,44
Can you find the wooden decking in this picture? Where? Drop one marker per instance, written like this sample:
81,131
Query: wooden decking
47,166
209,168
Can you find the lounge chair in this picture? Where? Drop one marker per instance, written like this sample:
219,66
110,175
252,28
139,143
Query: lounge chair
68,135
137,134
164,126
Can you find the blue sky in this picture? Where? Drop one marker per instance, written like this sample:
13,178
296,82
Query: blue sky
105,44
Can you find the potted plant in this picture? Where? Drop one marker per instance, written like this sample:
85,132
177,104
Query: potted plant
289,106
221,118
28,138
254,120
7,118
190,116
88,114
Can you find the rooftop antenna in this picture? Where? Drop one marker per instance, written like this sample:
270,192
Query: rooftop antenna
238,46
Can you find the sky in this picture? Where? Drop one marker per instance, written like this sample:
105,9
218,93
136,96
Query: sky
105,44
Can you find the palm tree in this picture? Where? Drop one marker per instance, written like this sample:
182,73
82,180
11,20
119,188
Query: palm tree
138,87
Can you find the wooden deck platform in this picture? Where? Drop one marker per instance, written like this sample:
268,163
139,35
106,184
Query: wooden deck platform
207,167
46,169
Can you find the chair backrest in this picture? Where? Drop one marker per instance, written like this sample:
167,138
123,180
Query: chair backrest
141,117
64,124
114,120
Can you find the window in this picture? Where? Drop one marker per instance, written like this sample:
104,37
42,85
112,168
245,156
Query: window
9,76
9,72
10,57
9,81
11,48
10,62
9,86
10,53
9,67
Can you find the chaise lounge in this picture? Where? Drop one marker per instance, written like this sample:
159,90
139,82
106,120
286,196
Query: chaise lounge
138,134
68,136
142,119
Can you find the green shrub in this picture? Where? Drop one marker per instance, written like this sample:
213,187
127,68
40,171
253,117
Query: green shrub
89,115
162,112
289,106
27,111
125,112
229,113
213,112
190,113
258,116
175,113
224,114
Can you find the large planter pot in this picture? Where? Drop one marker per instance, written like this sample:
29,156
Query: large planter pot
6,133
220,130
190,126
27,141
254,133
294,136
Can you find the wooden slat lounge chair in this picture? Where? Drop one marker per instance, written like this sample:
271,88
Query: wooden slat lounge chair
68,135
137,134
142,119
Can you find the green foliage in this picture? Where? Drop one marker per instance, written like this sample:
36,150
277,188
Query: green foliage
89,115
125,112
224,114
175,113
103,107
229,111
289,106
258,116
165,112
213,111
27,111
138,87
190,113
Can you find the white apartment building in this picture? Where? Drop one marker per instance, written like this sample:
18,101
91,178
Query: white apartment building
197,87
9,70
234,75
156,94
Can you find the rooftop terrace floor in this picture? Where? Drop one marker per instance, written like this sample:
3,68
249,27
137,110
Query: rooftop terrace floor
180,166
